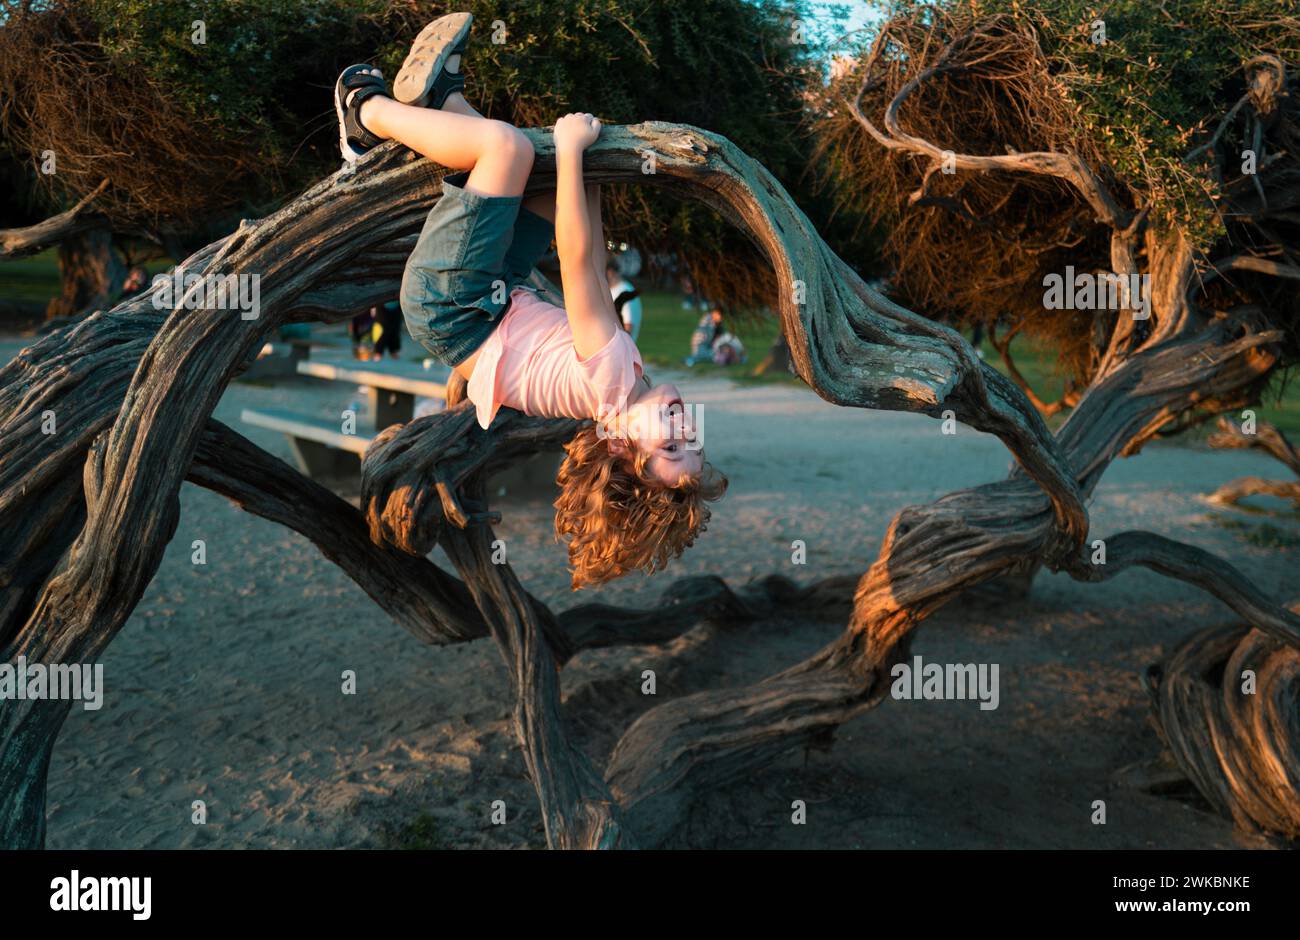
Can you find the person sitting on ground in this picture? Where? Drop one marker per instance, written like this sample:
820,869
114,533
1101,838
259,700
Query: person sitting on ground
728,350
706,331
634,486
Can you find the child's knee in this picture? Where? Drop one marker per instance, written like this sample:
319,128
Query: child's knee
513,144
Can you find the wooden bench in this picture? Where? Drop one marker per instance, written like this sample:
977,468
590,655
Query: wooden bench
323,450
279,358
320,447
391,385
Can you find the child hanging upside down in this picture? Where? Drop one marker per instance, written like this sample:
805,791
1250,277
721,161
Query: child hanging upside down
634,487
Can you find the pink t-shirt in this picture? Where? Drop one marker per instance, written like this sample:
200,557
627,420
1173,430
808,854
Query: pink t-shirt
529,364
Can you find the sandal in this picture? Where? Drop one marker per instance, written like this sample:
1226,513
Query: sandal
424,81
355,85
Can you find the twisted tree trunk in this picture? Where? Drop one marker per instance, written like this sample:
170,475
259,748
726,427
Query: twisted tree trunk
90,273
93,504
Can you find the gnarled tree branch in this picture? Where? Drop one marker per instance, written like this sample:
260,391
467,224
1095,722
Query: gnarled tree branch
16,242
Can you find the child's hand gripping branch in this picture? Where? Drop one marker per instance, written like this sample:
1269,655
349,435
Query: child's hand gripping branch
586,299
633,488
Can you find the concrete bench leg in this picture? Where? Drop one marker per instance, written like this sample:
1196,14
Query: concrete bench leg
390,407
319,460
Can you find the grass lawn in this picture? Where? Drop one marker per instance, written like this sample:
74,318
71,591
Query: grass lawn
35,278
666,338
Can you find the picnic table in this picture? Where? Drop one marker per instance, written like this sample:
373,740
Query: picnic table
279,358
391,385
323,447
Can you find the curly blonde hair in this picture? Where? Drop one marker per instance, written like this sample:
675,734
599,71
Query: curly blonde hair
618,518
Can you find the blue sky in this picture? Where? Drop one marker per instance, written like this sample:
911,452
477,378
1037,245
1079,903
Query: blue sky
859,12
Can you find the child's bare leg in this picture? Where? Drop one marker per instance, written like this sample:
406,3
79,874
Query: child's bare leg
457,104
498,156
542,204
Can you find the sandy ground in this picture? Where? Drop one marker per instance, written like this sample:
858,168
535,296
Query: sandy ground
224,686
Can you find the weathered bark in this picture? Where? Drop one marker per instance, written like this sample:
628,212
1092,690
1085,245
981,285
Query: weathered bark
930,555
1225,701
421,597
16,242
1234,491
1178,276
82,559
411,479
578,810
133,391
133,468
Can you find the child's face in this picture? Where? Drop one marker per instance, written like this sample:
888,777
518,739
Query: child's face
661,427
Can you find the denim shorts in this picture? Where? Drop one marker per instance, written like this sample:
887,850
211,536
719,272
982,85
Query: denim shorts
473,251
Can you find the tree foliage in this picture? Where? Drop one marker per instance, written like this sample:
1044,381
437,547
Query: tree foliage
188,130
1153,106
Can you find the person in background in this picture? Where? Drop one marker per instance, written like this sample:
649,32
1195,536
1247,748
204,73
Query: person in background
137,279
627,299
377,331
708,329
361,332
387,331
728,350
691,301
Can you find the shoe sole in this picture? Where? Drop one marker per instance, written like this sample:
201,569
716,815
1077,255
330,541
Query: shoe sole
429,53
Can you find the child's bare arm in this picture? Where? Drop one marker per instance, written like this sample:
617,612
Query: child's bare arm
599,253
586,297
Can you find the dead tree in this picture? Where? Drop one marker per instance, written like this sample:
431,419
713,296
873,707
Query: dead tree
88,510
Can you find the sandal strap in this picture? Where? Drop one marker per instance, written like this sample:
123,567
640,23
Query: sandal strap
357,134
355,77
443,85
359,78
